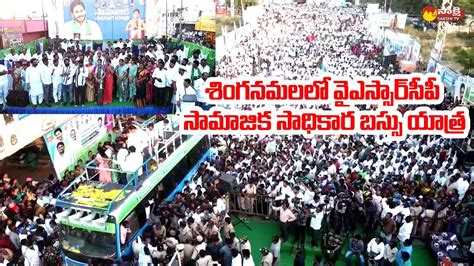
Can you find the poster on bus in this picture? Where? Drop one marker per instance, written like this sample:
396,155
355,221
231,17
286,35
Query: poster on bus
97,19
74,139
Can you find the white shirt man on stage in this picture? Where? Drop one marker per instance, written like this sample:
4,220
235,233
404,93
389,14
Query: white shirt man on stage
3,84
57,71
178,84
34,83
183,102
200,86
47,79
133,161
25,56
11,56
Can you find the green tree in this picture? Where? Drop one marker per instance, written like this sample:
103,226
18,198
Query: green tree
238,3
465,57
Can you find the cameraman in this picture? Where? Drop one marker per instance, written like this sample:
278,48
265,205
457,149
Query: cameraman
315,224
376,251
340,208
303,214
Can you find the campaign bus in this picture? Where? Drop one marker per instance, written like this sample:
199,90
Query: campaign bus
90,213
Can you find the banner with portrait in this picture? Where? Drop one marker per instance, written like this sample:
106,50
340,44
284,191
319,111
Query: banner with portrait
13,135
96,19
400,44
73,140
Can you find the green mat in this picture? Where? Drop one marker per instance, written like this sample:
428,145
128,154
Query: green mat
263,231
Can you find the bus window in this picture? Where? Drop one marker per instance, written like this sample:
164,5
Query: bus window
88,243
133,223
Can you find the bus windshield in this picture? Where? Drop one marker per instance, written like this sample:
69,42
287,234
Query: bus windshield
88,243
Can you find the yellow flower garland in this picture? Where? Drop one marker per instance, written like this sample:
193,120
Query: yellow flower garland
96,196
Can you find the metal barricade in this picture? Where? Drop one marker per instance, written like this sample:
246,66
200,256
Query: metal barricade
258,205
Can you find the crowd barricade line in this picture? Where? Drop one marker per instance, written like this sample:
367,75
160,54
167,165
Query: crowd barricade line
251,204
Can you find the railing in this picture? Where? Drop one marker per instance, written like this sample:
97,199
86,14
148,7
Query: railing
257,205
161,152
175,260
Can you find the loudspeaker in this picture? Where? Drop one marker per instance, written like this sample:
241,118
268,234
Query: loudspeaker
18,98
228,182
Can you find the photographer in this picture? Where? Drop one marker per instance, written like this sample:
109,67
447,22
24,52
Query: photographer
315,224
332,245
376,251
340,211
303,215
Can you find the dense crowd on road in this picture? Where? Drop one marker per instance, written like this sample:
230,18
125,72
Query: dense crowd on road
297,42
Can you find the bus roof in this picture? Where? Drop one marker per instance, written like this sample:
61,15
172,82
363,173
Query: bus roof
93,202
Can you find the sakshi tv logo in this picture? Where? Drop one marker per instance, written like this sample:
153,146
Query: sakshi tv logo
431,13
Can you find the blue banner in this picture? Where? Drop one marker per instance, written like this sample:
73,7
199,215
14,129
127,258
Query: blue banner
103,19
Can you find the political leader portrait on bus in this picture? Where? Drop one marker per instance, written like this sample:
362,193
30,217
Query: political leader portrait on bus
136,26
80,27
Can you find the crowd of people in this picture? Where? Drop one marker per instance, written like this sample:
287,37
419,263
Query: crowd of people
298,42
199,37
74,74
323,191
29,232
326,188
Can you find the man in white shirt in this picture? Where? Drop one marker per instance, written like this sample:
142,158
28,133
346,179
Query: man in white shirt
178,85
13,56
153,134
116,60
171,72
80,81
24,55
133,161
80,27
57,71
138,138
119,44
405,229
204,67
184,96
315,224
200,85
66,83
34,83
159,85
150,53
38,55
180,53
47,78
376,250
3,84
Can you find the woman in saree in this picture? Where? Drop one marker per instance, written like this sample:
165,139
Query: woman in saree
23,76
17,76
122,80
142,82
149,90
90,81
132,79
103,163
108,82
99,77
